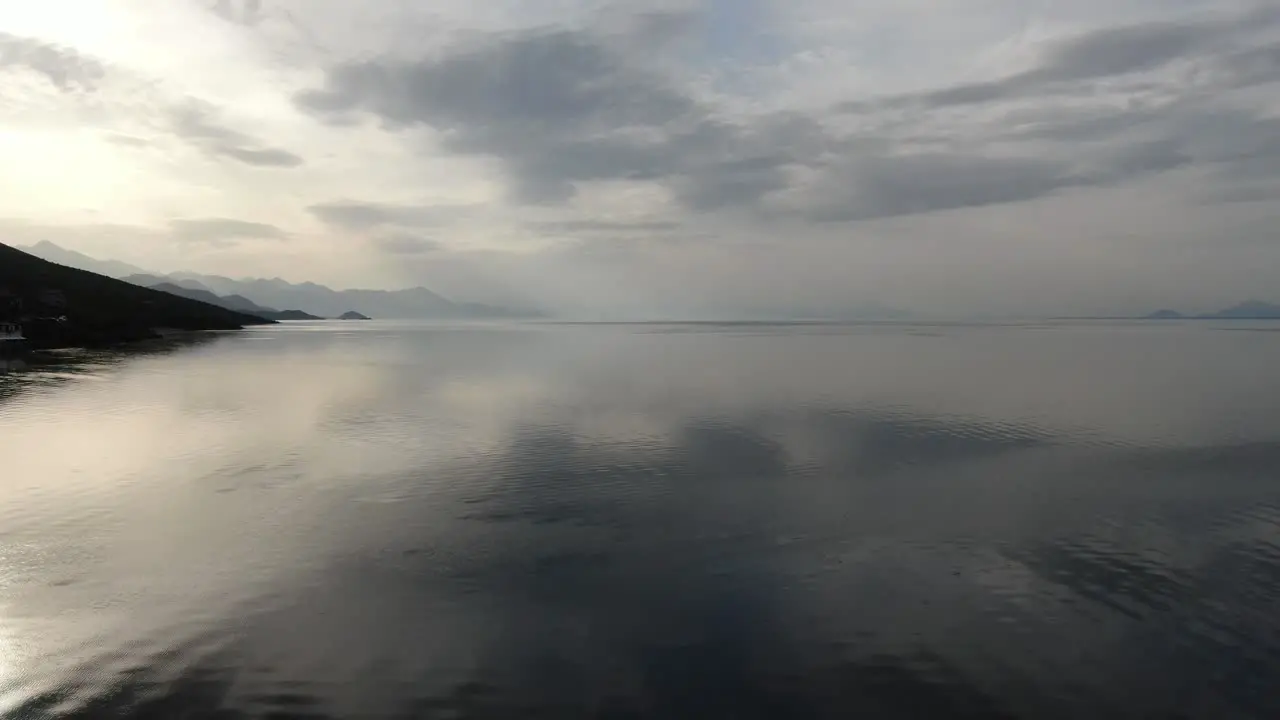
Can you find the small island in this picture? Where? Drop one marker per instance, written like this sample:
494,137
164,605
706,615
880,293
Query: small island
353,315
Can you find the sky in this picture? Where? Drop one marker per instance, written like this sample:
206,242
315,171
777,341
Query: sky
673,158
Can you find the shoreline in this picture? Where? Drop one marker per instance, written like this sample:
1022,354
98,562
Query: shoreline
27,353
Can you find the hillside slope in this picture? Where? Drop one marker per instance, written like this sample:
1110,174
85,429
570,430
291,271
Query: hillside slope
236,303
98,309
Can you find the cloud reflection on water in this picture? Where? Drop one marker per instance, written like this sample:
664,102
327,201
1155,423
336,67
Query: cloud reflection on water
595,521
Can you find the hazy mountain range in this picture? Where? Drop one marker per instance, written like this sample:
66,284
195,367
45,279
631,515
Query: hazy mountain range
276,295
238,303
90,309
277,299
1247,310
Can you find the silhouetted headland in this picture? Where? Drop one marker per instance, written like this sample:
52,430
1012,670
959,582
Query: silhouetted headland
57,306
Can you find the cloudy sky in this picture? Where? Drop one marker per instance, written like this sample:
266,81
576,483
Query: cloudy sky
672,157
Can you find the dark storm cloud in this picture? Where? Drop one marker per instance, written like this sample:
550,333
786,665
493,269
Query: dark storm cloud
353,215
222,232
195,123
65,68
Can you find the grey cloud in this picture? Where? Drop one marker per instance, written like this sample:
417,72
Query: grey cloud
1093,131
654,29
1242,151
1147,157
733,182
1115,51
883,187
1237,144
538,81
558,108
1236,147
1060,126
1110,52
246,13
1243,193
127,140
406,244
262,158
222,232
1252,66
603,226
353,215
64,67
195,123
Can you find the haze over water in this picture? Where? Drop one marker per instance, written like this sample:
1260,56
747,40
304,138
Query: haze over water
672,521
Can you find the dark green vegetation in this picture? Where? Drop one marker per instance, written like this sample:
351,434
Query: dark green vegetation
59,306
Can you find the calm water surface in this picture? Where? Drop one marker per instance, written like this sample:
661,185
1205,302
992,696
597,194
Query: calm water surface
668,521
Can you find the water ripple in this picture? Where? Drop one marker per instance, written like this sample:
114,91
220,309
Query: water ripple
646,521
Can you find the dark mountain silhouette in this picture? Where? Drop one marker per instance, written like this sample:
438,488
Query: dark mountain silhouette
68,307
293,315
352,315
417,302
242,303
150,280
237,303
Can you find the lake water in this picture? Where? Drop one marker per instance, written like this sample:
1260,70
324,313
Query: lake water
328,520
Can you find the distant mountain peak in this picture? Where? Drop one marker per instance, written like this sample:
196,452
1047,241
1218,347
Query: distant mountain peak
54,253
276,292
1248,310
